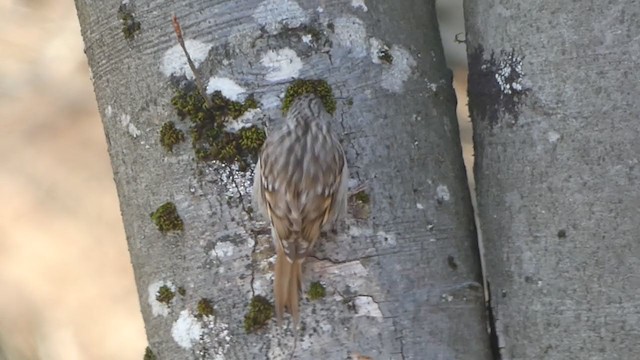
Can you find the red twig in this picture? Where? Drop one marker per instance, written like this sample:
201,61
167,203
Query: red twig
199,83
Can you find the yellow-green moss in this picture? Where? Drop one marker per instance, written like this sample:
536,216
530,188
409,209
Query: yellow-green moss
148,354
316,291
130,26
252,138
260,311
362,197
167,219
385,55
224,107
170,136
205,308
165,294
300,87
209,138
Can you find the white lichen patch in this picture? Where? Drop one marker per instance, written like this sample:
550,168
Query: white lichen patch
307,39
442,193
419,206
447,297
186,330
351,273
365,306
229,88
395,75
224,249
273,15
432,86
509,74
174,61
158,308
263,284
553,136
217,338
350,33
376,48
283,64
125,120
359,4
108,112
245,120
236,183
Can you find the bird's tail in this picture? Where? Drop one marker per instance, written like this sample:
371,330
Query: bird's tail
287,282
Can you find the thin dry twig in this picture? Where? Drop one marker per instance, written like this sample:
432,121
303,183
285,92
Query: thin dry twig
192,66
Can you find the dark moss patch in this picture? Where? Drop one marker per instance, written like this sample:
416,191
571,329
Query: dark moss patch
362,197
182,291
209,139
331,27
385,55
167,219
316,291
165,294
562,233
260,311
317,35
300,87
205,308
148,354
451,261
495,85
359,204
130,26
170,136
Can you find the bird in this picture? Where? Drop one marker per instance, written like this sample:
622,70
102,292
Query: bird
301,187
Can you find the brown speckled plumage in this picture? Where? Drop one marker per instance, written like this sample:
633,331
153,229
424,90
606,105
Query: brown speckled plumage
300,184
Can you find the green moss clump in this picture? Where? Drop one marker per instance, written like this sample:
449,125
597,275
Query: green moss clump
165,294
182,291
316,291
189,103
260,311
362,197
148,354
130,26
205,308
209,138
224,107
167,219
170,136
300,87
385,55
252,138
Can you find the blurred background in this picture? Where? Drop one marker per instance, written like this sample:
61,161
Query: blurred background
66,284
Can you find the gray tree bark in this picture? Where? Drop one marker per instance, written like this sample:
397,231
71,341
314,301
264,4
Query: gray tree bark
402,277
553,90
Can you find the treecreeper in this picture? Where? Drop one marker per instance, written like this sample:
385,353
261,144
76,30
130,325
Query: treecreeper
300,185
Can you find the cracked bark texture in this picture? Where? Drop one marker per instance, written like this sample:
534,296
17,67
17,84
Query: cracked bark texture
557,173
402,276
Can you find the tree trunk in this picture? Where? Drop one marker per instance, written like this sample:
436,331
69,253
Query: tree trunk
553,92
401,277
